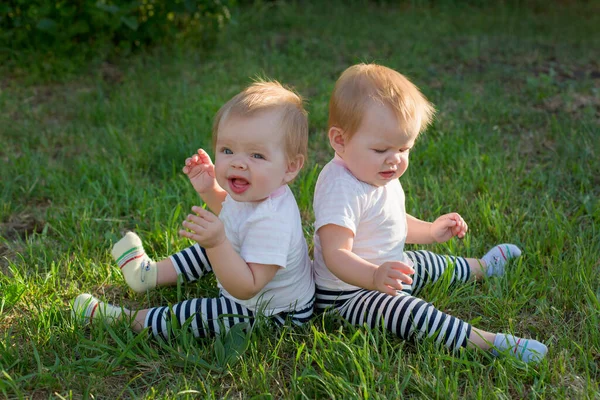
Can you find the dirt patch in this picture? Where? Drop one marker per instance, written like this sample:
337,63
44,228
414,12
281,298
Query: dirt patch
7,253
7,82
563,78
573,104
562,72
575,385
22,225
534,145
523,393
277,42
46,102
515,67
17,228
39,394
111,74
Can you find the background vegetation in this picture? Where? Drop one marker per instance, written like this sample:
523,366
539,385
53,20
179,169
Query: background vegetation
95,148
55,38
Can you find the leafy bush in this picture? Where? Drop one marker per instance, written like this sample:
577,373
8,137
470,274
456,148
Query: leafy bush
69,27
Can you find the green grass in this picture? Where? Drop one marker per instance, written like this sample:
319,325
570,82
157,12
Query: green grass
515,149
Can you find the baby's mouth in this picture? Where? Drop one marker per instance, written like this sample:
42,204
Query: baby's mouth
387,174
238,185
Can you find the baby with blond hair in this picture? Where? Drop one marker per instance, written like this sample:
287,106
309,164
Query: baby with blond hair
252,240
362,271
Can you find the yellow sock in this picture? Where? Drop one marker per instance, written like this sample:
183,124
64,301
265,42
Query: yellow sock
138,269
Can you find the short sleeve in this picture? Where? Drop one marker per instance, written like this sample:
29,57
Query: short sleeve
337,202
266,240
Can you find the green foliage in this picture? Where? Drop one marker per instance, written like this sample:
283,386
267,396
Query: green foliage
88,28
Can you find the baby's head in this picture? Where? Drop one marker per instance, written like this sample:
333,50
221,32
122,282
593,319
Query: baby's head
260,139
375,116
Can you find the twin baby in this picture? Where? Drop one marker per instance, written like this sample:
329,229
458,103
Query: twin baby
252,237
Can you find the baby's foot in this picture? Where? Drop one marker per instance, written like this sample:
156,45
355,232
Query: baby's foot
86,308
138,269
528,350
498,256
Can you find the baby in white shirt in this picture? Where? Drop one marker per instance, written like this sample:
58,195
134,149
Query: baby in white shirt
252,240
361,269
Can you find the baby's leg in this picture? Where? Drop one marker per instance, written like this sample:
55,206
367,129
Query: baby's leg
192,263
209,315
409,317
141,273
429,267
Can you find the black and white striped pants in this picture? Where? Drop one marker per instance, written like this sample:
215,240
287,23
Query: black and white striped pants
210,316
405,315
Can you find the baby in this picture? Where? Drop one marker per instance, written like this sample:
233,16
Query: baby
361,269
252,240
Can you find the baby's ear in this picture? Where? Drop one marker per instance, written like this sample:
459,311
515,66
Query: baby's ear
294,166
337,139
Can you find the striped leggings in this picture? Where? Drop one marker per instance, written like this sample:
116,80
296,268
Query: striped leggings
209,316
406,316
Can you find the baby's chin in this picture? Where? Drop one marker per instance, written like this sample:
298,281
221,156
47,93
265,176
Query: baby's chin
377,181
247,197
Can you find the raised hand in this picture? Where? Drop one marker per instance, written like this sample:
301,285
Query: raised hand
201,171
204,227
448,226
388,278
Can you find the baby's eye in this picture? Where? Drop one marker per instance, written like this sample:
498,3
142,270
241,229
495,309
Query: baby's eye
225,150
379,151
406,150
258,156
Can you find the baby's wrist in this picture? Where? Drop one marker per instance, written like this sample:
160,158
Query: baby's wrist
209,189
432,236
374,280
218,242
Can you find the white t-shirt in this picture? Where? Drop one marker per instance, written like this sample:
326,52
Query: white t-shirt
376,216
270,232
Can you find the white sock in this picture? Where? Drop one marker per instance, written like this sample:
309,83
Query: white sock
498,256
87,308
138,269
528,350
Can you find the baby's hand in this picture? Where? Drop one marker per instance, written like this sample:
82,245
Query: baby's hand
201,171
389,276
206,228
447,226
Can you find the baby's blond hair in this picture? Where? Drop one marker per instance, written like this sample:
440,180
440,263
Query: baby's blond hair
265,96
362,84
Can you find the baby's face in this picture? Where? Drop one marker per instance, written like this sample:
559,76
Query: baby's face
378,151
250,162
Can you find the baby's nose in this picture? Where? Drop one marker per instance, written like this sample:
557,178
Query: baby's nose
238,163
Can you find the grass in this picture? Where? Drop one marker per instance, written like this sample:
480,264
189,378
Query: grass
515,149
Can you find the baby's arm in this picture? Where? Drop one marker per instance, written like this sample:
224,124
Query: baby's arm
441,230
242,280
201,172
336,244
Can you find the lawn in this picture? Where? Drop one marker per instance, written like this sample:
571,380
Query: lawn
515,148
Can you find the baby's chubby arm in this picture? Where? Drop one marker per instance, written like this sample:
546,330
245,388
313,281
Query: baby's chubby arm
336,244
201,172
439,231
242,280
